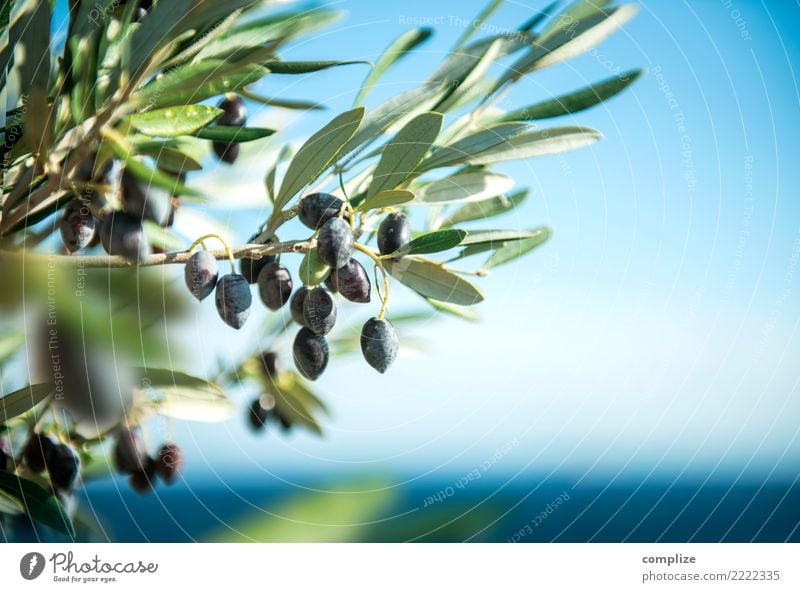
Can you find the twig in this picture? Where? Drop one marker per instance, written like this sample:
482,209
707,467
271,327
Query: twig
250,251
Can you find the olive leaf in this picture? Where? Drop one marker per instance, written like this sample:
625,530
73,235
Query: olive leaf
40,504
405,105
402,154
432,280
477,73
317,153
281,67
575,101
517,248
386,199
397,49
174,121
538,143
232,133
463,187
432,242
192,82
570,41
485,209
473,145
165,377
295,401
269,180
18,402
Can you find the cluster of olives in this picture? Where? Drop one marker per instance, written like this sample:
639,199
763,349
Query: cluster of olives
121,232
311,306
61,461
131,458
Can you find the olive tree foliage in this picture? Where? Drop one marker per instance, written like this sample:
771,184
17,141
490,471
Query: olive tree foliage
103,133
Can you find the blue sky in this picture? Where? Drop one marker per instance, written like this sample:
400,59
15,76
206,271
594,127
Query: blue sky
655,334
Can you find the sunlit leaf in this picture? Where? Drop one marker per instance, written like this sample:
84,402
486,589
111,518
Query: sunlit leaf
18,402
430,279
538,143
575,101
515,249
397,49
473,145
174,121
386,199
281,67
317,153
485,209
402,154
463,187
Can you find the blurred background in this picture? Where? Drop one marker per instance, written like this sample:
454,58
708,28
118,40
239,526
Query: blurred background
635,379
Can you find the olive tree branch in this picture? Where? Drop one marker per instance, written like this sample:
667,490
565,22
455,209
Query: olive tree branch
249,251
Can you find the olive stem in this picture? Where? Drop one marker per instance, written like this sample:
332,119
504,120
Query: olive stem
250,251
379,265
220,239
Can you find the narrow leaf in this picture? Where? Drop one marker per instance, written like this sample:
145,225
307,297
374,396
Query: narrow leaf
516,249
463,187
40,504
401,156
397,49
485,209
575,101
18,402
386,199
430,279
432,242
474,144
538,143
281,67
317,153
230,133
174,121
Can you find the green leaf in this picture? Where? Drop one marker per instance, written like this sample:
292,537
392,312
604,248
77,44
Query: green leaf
386,199
568,19
159,236
469,146
182,396
432,242
390,112
281,67
163,377
191,83
463,187
477,237
231,133
10,504
571,41
175,155
575,101
477,22
538,143
295,401
317,153
518,248
284,103
269,180
150,176
397,49
473,79
312,270
485,209
18,402
167,21
401,156
430,279
174,121
40,504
